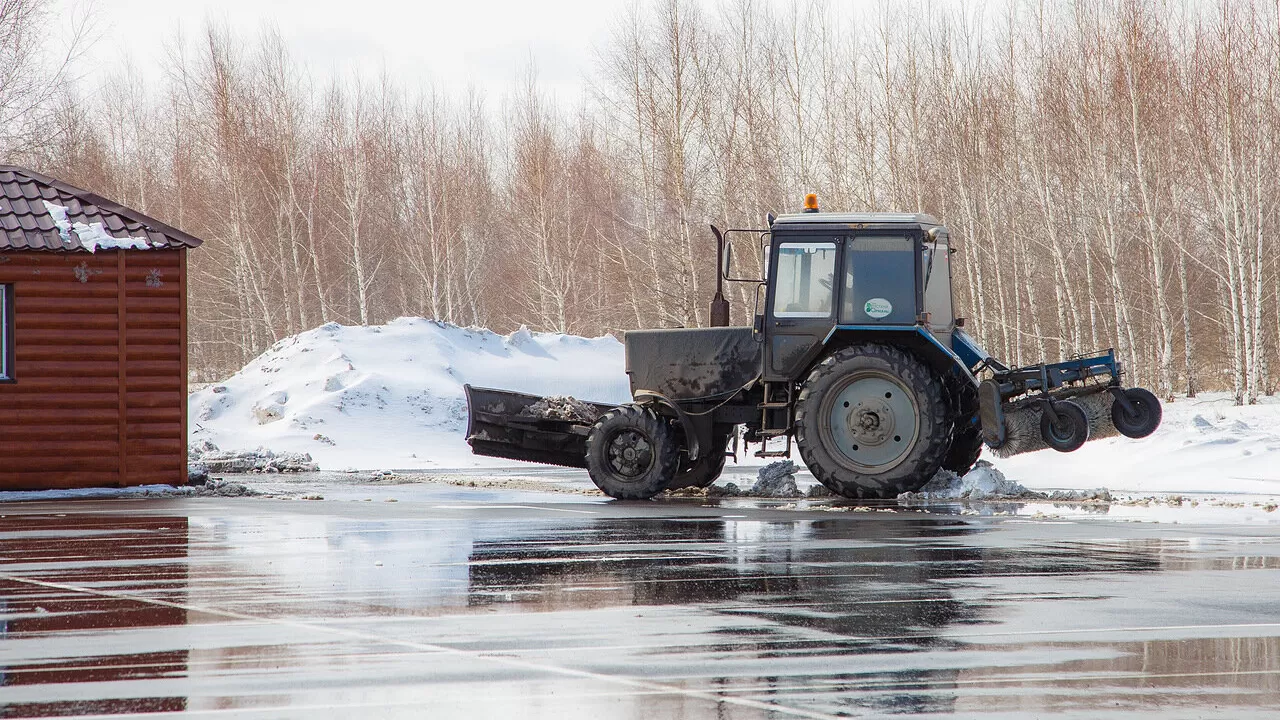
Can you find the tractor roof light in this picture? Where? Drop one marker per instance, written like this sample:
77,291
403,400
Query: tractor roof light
811,203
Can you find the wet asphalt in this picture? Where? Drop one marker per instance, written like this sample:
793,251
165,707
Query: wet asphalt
461,603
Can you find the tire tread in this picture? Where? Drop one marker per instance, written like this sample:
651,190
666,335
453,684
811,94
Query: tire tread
917,469
666,449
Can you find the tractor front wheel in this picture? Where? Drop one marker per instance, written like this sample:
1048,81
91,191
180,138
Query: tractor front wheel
872,422
632,453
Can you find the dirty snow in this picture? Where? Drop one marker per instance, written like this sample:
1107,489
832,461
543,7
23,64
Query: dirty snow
986,482
92,236
983,481
778,480
206,457
390,396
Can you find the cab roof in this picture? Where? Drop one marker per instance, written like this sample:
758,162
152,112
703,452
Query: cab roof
865,219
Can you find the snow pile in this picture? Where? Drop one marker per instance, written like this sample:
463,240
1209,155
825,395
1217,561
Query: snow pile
391,396
982,482
562,407
1204,445
986,482
92,236
206,457
776,480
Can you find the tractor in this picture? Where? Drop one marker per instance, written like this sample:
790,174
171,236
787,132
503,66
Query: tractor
856,357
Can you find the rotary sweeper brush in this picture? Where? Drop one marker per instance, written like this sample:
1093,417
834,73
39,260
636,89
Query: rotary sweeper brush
1061,405
855,355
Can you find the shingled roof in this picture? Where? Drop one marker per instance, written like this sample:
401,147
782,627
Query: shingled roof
27,222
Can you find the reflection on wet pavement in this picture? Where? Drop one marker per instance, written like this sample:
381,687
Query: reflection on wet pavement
285,609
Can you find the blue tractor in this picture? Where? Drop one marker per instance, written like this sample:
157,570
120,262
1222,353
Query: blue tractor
856,357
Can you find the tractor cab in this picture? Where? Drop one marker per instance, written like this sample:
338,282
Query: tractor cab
866,272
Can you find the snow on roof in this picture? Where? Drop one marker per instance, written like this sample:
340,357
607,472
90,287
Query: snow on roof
38,212
92,236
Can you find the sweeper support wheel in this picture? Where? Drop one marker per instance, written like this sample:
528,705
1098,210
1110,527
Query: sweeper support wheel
1141,418
1064,426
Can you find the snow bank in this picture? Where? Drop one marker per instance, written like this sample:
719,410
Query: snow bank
390,397
1204,445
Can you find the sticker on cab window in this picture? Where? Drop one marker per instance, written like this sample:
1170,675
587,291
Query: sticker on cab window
878,308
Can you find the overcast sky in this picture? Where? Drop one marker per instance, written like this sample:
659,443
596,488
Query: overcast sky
452,44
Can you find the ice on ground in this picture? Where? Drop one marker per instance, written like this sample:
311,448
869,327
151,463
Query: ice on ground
390,396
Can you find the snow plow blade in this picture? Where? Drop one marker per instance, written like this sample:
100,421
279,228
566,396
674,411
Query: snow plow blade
517,426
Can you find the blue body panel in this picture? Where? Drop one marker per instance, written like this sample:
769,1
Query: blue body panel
917,329
967,349
967,355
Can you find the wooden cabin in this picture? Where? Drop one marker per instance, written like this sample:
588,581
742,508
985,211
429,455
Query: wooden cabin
93,340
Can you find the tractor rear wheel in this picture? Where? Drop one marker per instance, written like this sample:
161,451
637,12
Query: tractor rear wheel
872,422
965,450
966,442
704,471
632,453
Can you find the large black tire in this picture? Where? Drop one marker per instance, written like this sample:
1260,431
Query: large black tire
867,448
704,471
1069,431
966,448
1145,417
632,453
966,442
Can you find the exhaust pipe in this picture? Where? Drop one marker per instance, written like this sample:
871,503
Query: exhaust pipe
719,305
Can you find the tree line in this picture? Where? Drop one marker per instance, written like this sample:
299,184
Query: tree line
1107,169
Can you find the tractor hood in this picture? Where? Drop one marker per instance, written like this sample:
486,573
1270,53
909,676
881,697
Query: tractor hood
693,363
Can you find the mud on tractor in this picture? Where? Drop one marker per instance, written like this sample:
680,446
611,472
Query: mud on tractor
856,356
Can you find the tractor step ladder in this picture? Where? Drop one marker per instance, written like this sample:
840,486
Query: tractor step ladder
771,404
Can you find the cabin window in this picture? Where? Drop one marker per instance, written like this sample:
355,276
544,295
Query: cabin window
804,280
6,333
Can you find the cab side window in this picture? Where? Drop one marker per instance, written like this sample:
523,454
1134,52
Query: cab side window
805,275
879,281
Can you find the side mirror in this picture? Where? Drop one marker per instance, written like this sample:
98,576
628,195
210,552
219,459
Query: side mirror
758,325
727,270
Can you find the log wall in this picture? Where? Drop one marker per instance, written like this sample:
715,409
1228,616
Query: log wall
99,391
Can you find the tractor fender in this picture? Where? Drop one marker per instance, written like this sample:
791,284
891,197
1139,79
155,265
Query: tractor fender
649,397
911,337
